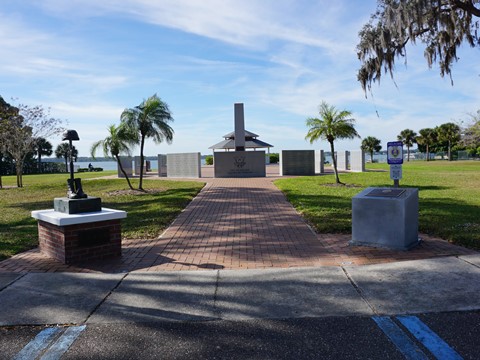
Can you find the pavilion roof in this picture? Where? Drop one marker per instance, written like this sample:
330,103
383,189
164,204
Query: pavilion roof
248,134
249,144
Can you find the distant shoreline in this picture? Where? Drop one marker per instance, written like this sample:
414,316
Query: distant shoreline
97,159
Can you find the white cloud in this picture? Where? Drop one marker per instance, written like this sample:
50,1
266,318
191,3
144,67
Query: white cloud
248,23
281,57
59,64
85,112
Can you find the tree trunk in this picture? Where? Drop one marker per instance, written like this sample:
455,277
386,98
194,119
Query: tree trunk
334,160
408,153
371,157
449,151
123,172
1,171
39,163
428,154
66,164
142,144
18,168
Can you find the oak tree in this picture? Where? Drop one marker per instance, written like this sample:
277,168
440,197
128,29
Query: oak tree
442,26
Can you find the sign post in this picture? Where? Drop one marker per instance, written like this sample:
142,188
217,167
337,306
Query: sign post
395,160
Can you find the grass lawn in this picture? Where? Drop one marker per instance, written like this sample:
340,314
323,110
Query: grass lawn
449,198
148,213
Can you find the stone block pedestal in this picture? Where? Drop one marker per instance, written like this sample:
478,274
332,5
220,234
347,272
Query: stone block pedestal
239,164
385,217
80,237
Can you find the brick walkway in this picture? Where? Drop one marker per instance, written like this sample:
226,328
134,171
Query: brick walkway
237,224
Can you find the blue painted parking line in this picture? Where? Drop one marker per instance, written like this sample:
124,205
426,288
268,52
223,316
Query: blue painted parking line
63,343
35,347
439,348
51,342
403,343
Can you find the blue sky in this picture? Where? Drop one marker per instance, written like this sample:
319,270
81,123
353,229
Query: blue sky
88,60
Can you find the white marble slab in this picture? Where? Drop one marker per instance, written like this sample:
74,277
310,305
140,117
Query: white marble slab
61,219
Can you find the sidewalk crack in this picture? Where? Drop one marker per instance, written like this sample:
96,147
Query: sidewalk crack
359,291
13,281
105,298
216,311
468,262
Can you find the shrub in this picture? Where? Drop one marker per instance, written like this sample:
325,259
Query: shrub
274,158
209,160
80,170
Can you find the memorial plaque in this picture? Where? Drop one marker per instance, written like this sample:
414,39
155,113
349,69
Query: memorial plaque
93,237
239,164
184,165
297,162
390,193
77,206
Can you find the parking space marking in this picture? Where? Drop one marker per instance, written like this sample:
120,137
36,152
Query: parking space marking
403,343
35,347
439,348
62,344
51,342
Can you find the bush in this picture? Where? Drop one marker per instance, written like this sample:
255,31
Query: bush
80,170
209,160
7,167
274,158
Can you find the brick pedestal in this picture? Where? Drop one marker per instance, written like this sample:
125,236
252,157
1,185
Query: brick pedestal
81,237
82,242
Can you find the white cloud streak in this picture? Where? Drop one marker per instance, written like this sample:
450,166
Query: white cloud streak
248,23
281,57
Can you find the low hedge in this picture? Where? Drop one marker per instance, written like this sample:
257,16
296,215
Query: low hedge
87,170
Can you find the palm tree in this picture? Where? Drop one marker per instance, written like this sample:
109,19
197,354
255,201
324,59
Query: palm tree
371,144
42,147
149,119
63,151
332,124
408,137
115,143
427,138
449,133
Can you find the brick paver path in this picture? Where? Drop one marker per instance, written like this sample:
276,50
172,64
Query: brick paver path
237,224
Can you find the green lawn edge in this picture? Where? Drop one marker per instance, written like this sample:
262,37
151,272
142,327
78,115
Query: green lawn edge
148,214
449,198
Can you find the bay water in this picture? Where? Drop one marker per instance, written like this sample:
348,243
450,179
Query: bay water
112,165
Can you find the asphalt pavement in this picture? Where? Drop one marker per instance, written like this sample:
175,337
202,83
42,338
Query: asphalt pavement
419,309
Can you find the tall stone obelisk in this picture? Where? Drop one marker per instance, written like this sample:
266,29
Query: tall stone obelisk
239,163
239,127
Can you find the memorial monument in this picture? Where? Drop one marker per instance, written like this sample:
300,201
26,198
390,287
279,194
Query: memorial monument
239,163
76,201
385,217
78,229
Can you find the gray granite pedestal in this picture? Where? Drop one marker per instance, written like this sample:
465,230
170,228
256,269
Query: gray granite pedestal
385,217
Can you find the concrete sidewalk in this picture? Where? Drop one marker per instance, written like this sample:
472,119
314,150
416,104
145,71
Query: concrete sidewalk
420,286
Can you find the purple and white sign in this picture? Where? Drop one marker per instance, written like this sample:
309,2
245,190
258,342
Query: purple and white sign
395,152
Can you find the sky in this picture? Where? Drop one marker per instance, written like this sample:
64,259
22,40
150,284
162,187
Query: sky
88,60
